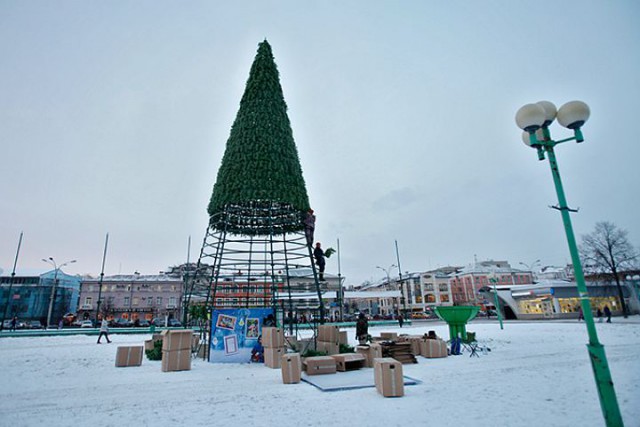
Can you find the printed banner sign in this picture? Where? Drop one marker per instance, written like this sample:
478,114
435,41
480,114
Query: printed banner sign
234,332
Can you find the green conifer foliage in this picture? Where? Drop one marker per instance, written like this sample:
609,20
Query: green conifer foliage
260,166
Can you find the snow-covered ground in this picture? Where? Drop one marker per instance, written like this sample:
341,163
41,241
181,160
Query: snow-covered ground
537,374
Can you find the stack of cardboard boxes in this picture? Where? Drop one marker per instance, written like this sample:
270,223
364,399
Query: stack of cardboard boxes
176,350
274,348
401,351
329,339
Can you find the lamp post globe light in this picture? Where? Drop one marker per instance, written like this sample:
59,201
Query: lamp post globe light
55,283
534,120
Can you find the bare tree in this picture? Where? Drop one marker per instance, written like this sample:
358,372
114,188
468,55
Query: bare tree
606,250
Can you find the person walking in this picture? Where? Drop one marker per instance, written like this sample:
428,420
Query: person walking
580,315
309,226
104,330
362,329
607,312
318,254
400,320
14,323
599,315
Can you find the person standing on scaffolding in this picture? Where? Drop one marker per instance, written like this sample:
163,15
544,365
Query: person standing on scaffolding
318,254
309,226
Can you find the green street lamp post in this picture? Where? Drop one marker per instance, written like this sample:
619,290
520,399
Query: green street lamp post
535,119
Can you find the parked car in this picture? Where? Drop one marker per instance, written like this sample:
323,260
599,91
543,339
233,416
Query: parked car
121,323
174,323
143,323
34,324
87,324
159,321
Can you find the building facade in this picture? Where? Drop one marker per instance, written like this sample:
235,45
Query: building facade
131,297
466,282
29,296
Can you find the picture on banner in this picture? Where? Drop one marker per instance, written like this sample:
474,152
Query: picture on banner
234,332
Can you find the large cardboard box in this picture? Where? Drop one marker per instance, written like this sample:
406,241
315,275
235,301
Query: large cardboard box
176,339
176,360
273,356
129,356
389,336
415,344
328,333
291,367
370,352
433,348
320,365
272,337
328,347
388,377
148,345
349,361
343,338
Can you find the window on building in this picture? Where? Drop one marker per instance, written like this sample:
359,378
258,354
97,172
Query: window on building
135,300
443,287
149,301
159,301
127,300
90,288
430,298
444,297
88,300
172,300
428,287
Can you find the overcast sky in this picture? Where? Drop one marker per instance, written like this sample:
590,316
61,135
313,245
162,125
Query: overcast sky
114,118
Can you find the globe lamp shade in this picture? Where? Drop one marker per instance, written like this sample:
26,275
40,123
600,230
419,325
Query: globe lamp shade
573,114
530,117
550,112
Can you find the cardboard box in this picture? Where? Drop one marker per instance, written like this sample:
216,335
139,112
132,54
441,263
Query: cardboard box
195,340
370,352
343,338
176,339
272,337
415,345
148,345
433,348
176,360
388,377
328,333
320,365
389,336
129,356
273,356
291,367
328,347
349,361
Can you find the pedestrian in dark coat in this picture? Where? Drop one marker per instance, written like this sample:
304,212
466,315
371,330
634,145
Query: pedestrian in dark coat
362,329
400,320
607,312
599,315
318,254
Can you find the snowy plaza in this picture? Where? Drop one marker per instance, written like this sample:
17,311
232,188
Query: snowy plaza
536,374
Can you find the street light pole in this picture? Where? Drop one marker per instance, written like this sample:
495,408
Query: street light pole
104,258
495,301
55,283
535,119
386,271
13,275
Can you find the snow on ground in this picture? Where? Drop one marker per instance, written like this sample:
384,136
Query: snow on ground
537,374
